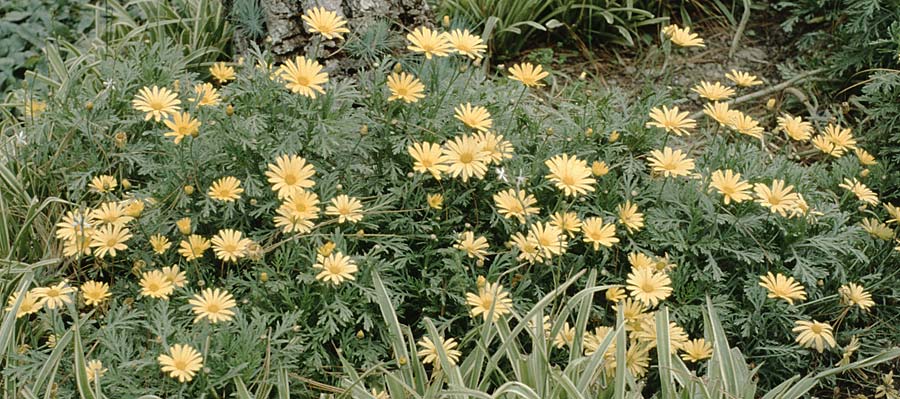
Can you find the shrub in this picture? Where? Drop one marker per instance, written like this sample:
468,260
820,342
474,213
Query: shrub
307,285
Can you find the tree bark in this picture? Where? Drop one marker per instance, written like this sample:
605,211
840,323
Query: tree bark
288,34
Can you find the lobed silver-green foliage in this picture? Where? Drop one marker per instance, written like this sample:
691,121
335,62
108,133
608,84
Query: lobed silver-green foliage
290,325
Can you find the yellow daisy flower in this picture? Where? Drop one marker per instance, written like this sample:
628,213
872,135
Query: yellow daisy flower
795,127
347,209
719,112
156,102
865,159
630,217
648,286
175,275
615,294
567,222
429,42
336,268
842,138
155,285
671,163
862,192
570,175
182,362
492,295
743,79
226,189
713,91
778,198
466,43
813,334
435,201
855,294
181,125
221,72
428,158
476,117
597,233
530,75
94,370
103,184
473,247
214,305
683,36
159,243
230,245
671,120
780,286
111,213
108,239
205,94
495,146
730,185
297,213
324,22
193,247
429,353
304,76
31,303
599,168
514,203
95,293
745,124
465,158
405,87
696,350
290,174
529,248
550,240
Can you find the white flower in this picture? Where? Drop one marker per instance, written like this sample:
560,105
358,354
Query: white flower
501,175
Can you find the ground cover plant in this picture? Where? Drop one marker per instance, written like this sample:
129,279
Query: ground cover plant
431,226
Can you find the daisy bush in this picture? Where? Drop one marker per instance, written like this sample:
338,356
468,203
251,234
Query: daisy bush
220,227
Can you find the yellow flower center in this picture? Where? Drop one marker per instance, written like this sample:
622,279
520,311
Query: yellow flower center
290,179
816,329
466,157
230,248
53,292
111,242
302,80
334,268
568,180
212,308
179,364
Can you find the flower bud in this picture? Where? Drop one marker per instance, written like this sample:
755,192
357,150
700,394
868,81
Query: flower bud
599,168
770,104
229,110
398,68
614,136
126,184
264,277
445,22
89,105
188,189
121,139
184,225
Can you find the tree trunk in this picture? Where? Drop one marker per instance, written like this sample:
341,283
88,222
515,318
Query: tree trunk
288,34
